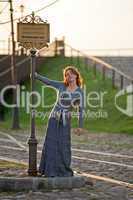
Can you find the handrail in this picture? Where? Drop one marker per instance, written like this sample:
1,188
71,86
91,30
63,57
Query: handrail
98,60
93,58
17,65
4,58
22,61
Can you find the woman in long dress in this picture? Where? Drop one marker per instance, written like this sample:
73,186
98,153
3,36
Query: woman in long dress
56,152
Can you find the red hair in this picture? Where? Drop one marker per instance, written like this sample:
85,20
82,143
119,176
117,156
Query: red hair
74,70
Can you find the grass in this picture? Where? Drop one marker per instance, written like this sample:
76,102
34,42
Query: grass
4,165
112,119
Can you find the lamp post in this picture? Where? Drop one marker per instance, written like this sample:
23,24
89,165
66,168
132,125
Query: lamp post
15,118
22,13
32,170
15,110
32,34
22,10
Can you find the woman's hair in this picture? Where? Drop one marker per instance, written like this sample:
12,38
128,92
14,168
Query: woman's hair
74,70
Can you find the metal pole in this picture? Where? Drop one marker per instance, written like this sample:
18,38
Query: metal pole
121,81
32,170
56,50
103,72
64,47
113,78
9,46
95,69
15,113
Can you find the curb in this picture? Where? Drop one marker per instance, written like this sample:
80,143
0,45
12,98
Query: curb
40,183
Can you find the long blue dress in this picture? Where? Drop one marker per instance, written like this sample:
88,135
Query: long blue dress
56,152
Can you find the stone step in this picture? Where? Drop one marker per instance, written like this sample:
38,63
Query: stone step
40,183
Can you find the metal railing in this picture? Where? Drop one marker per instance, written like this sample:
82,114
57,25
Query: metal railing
117,77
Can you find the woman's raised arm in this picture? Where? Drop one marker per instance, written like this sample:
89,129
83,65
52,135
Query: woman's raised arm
47,81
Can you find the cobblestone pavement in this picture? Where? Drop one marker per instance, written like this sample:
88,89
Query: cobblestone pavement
104,155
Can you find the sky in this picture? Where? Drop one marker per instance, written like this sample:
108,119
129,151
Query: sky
86,24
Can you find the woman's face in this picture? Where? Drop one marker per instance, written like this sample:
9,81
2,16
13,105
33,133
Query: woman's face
70,76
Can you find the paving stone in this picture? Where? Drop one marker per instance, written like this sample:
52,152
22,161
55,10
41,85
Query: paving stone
111,143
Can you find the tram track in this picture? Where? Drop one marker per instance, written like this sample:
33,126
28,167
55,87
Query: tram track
82,173
105,179
22,147
84,157
75,157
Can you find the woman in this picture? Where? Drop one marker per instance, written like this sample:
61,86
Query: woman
56,152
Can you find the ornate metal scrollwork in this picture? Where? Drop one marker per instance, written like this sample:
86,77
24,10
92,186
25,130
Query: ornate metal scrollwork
37,45
32,19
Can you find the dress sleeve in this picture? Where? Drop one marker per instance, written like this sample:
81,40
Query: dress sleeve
81,110
47,81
